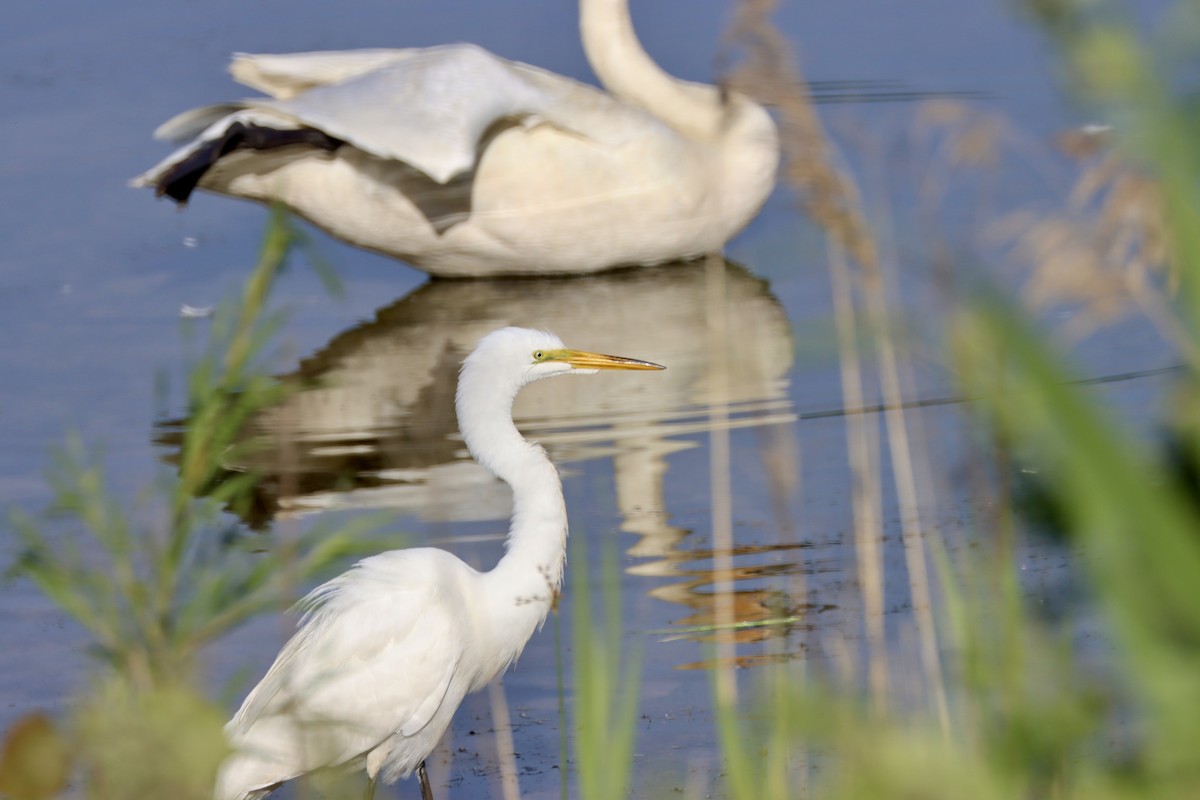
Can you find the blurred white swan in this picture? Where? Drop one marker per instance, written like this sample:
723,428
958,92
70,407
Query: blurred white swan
463,163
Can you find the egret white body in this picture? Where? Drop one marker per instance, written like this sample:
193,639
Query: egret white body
463,163
386,652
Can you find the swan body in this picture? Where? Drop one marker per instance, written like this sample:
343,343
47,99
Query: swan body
386,652
464,163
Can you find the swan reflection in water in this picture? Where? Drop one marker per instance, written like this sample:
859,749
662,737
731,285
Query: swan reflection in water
371,424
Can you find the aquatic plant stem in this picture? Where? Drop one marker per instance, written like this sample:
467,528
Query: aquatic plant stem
866,491
719,477
510,787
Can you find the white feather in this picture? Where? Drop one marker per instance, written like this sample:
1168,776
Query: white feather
545,174
386,652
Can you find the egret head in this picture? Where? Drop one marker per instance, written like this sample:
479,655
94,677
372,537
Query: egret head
527,355
503,362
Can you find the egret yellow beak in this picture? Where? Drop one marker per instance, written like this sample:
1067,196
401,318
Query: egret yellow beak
580,359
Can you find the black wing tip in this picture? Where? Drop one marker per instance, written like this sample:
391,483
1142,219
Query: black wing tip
181,180
178,187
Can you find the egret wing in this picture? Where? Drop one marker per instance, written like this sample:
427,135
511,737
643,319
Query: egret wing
375,656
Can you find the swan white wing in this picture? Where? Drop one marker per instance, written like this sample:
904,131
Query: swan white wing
208,124
374,657
193,122
286,75
426,107
429,109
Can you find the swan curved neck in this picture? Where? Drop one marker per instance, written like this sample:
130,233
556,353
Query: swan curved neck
626,70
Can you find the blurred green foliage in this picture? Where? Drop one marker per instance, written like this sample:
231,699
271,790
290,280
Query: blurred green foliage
1031,718
153,585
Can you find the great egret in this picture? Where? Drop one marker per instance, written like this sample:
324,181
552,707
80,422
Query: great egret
463,163
386,651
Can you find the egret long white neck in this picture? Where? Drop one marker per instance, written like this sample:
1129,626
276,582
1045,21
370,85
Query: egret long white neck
628,72
532,566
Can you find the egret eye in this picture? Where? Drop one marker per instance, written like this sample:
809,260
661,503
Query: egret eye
538,355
